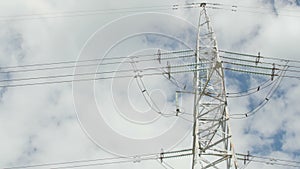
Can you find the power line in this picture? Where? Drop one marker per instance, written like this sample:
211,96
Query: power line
251,89
188,53
165,57
165,156
103,163
255,56
108,161
89,12
95,73
154,156
64,163
93,60
259,73
265,8
94,79
84,65
79,13
260,10
263,102
124,76
255,62
268,13
268,160
261,67
247,71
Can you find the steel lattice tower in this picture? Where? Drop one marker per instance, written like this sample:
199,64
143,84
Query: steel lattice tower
212,146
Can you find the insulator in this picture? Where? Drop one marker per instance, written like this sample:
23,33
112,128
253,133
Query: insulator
159,56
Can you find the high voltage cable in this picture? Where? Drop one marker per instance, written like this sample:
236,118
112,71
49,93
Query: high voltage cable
263,102
112,77
269,158
154,156
258,10
94,73
253,61
65,163
260,7
243,94
259,67
96,78
276,163
79,14
84,65
103,163
76,13
92,60
247,65
272,163
247,71
99,11
248,90
238,8
255,56
253,7
62,13
140,56
151,103
260,73
90,65
184,154
269,13
134,158
260,62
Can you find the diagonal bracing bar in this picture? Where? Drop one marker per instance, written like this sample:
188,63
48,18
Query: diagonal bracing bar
211,131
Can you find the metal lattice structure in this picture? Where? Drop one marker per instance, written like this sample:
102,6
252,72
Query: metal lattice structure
212,145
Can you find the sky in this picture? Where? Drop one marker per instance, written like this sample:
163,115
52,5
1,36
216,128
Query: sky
49,123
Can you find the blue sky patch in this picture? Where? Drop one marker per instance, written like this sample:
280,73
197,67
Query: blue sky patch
242,79
277,140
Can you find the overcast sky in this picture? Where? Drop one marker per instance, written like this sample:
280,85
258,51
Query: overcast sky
39,124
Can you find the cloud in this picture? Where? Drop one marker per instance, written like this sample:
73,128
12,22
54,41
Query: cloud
38,123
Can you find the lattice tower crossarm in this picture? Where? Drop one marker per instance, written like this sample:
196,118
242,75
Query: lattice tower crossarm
212,142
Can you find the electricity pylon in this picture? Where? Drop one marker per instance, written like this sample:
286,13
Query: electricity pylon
212,145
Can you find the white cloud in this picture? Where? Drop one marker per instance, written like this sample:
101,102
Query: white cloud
38,123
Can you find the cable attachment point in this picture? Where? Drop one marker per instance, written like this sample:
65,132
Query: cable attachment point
257,58
218,65
273,72
234,8
161,155
246,157
159,56
137,159
175,7
202,4
169,70
138,75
